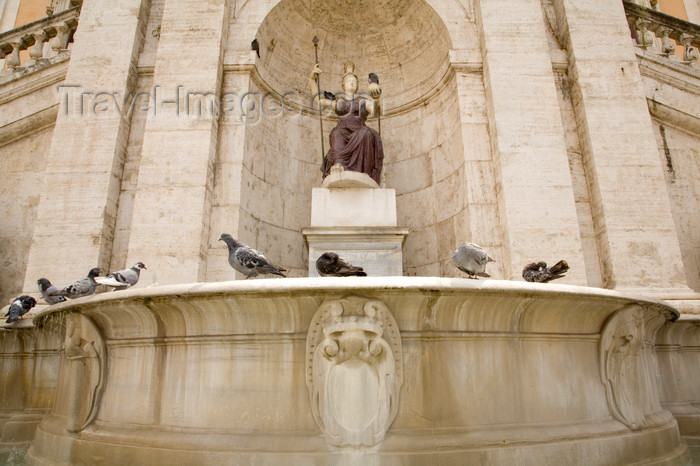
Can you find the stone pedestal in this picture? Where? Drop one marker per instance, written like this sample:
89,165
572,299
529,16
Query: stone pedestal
352,216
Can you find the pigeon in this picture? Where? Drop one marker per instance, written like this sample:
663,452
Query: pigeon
373,78
472,260
49,292
19,307
247,260
329,95
83,287
330,265
538,271
123,279
255,45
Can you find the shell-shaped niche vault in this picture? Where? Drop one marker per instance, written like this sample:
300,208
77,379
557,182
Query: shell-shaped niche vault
405,42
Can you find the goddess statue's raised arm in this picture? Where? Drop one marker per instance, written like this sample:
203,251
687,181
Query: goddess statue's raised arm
373,108
313,87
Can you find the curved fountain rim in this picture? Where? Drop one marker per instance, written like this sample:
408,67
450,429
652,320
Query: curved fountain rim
350,284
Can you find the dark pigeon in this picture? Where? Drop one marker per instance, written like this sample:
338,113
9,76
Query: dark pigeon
472,260
255,45
329,95
49,292
330,265
373,78
247,260
83,287
538,271
123,279
19,307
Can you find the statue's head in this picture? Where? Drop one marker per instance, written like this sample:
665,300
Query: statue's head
350,79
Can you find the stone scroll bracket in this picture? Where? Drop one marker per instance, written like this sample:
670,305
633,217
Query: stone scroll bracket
84,371
627,364
354,370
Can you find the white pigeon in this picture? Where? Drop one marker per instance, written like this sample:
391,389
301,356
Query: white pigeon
247,260
472,259
49,292
82,287
123,279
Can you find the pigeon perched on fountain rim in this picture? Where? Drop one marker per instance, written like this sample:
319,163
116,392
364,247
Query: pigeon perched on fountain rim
247,260
82,287
539,272
19,307
471,259
50,293
329,264
124,278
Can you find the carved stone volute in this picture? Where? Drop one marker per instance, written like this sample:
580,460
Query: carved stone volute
354,370
623,367
84,370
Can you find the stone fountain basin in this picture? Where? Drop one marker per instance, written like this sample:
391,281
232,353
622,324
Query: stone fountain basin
492,371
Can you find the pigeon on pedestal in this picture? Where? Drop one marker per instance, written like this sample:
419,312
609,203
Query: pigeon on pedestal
19,307
472,260
83,287
247,260
540,273
123,279
50,293
330,265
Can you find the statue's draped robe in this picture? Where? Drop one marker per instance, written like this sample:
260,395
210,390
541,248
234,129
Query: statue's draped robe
354,145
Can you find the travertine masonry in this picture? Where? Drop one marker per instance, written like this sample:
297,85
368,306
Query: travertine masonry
503,124
532,176
78,205
176,175
638,249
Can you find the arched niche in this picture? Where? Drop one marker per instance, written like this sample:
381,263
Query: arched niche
408,45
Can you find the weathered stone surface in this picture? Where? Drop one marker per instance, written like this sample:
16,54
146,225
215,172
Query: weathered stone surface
678,353
522,126
493,363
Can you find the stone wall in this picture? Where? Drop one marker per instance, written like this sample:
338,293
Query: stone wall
425,164
281,161
28,115
495,128
681,153
22,163
672,91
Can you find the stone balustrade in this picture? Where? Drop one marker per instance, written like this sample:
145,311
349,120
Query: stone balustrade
661,32
45,39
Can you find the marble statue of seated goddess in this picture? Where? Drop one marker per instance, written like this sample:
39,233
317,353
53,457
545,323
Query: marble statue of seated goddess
354,145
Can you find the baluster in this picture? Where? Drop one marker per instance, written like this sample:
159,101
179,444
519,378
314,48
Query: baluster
690,54
59,43
645,36
12,60
668,47
36,53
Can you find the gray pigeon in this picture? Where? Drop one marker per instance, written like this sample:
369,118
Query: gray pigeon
123,279
472,260
49,292
538,271
247,260
83,287
330,265
19,307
